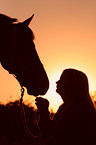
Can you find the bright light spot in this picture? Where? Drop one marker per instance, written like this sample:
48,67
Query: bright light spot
92,83
53,97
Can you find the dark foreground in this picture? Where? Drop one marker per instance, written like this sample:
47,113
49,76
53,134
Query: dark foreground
12,129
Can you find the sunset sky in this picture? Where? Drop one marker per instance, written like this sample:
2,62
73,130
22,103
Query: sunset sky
65,37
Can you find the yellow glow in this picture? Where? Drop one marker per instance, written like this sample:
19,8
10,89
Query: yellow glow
55,98
65,33
52,96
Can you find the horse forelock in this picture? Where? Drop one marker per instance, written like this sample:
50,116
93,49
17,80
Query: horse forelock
32,34
23,30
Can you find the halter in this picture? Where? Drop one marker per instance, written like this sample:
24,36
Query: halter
24,117
12,54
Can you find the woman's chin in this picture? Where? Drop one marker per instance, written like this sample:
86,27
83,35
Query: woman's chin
57,91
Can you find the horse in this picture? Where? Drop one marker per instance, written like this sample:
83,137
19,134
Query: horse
19,56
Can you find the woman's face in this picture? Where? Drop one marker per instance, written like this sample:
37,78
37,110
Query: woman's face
71,84
62,86
59,86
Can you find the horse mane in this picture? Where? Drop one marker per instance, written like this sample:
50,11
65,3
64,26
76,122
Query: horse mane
6,19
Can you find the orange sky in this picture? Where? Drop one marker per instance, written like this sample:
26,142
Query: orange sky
65,32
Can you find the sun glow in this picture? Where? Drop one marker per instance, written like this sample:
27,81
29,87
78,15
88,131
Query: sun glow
65,37
53,97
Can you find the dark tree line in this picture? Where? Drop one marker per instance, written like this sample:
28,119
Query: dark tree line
12,130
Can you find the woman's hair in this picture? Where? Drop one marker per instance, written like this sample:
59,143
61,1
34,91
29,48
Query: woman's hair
77,86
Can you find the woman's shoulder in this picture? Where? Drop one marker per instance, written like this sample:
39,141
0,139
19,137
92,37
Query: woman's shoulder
76,110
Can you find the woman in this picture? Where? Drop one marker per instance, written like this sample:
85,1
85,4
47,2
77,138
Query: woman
75,121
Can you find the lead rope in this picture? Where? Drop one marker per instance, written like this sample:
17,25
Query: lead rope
24,117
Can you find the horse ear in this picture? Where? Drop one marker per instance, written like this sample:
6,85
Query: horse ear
27,22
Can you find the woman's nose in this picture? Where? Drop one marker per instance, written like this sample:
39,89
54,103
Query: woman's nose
57,81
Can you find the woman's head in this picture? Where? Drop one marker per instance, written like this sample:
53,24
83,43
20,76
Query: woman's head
73,83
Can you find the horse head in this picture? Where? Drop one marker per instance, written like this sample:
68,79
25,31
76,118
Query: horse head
18,55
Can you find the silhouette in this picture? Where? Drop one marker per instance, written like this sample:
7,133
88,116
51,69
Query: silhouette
12,131
75,121
18,55
29,133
